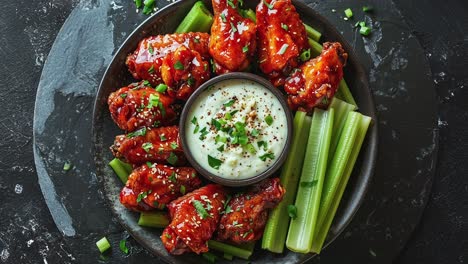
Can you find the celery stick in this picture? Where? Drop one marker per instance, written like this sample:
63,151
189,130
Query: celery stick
341,112
337,167
301,229
228,256
153,219
120,168
230,249
199,19
320,237
312,33
316,48
344,93
276,228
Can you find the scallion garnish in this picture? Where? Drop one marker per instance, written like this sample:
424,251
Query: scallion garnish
231,4
123,95
266,156
214,162
216,124
147,146
173,178
150,48
270,6
283,49
174,145
123,246
151,69
182,189
223,17
161,88
190,81
245,48
138,3
349,13
367,8
254,132
67,166
140,132
284,26
200,209
250,148
149,164
220,138
178,65
233,28
203,133
305,55
162,137
194,120
103,244
149,6
262,144
365,31
172,159
197,127
220,148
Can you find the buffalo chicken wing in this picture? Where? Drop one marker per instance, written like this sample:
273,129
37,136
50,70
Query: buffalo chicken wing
281,38
161,145
179,60
139,105
316,81
246,214
233,40
195,218
154,186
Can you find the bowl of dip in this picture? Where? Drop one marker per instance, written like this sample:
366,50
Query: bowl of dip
236,129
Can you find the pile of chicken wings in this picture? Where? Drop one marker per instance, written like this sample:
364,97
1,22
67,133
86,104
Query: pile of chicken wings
161,177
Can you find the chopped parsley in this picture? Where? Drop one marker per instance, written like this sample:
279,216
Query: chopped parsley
262,143
266,156
214,162
67,166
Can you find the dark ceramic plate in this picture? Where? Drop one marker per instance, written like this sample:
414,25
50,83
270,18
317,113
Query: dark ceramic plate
117,75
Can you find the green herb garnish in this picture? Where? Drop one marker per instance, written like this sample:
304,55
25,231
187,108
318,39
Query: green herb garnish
182,189
200,209
123,246
172,158
174,145
284,26
269,120
266,156
214,162
140,132
161,88
147,146
173,178
151,69
178,65
283,49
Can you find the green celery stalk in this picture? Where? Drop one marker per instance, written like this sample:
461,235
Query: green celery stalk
276,228
312,33
345,94
156,219
121,169
341,112
301,229
321,235
316,48
230,249
199,19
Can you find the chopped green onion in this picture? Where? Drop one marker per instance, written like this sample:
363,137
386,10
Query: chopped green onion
162,137
103,244
178,65
158,219
172,159
182,189
270,6
220,138
284,26
251,149
229,103
223,17
149,164
199,19
292,211
269,120
266,156
365,31
283,49
194,120
349,13
367,8
203,133
151,69
149,6
138,3
173,177
67,166
254,133
305,56
147,146
245,48
197,127
161,88
174,145
123,95
123,246
233,28
214,162
200,209
216,124
231,4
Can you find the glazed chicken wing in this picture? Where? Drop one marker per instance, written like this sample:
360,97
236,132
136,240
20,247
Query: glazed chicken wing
247,213
139,105
281,38
195,217
233,40
161,145
315,83
184,67
157,185
183,71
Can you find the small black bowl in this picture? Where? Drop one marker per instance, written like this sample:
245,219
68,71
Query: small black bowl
236,182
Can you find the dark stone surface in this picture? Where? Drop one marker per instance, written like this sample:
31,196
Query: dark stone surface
28,233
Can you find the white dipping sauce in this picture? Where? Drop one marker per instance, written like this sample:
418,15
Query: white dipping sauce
247,135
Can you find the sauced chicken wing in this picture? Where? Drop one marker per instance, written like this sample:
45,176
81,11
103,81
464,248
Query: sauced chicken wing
281,38
233,40
195,217
316,81
155,186
139,105
161,145
183,71
246,214
147,62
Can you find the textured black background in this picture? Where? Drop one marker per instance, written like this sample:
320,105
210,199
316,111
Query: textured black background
27,31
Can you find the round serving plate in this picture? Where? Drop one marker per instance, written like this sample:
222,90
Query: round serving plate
104,130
